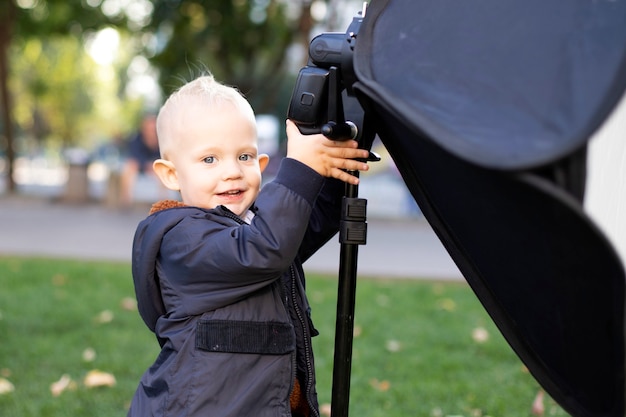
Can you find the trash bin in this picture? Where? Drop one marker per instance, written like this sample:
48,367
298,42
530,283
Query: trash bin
114,189
77,186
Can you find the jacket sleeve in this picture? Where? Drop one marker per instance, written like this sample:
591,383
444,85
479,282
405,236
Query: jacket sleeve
325,218
211,261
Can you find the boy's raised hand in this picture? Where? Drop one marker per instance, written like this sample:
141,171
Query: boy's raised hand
328,157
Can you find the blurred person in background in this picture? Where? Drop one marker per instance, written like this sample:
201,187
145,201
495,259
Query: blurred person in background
142,151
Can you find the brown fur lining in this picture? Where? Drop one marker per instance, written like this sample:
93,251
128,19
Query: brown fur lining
297,400
165,204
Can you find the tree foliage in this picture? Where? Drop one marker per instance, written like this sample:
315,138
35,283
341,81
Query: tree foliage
43,59
53,87
49,33
242,42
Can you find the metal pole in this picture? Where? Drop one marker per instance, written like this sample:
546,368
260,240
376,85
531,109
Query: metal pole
353,232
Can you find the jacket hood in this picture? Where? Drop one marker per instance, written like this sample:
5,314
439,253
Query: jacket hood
146,246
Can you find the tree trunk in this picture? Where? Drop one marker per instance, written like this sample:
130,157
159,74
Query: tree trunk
6,26
305,25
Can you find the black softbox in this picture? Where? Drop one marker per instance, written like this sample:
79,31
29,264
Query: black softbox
486,107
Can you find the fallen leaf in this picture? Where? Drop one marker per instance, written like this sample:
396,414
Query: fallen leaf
447,304
480,335
96,378
476,412
59,280
438,289
393,346
381,386
129,304
65,382
89,355
538,408
325,409
6,386
105,316
436,412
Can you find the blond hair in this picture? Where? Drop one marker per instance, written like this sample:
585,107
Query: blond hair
202,90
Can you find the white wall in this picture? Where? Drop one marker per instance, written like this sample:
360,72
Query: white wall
605,198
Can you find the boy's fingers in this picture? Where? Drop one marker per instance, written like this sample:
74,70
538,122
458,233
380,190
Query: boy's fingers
346,144
351,164
354,154
347,152
344,176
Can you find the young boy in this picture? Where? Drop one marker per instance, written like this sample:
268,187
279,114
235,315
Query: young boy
218,276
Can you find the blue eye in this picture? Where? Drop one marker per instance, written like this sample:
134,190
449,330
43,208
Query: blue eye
209,160
245,157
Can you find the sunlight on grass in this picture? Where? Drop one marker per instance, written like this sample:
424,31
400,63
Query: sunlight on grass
73,344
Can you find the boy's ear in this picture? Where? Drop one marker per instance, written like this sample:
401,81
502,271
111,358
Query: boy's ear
166,171
264,159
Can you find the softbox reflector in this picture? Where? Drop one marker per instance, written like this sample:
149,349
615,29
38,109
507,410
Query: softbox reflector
486,108
503,84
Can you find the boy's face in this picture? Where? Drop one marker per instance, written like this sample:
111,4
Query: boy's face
215,159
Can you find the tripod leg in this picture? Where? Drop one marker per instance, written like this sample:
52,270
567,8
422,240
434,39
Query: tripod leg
353,233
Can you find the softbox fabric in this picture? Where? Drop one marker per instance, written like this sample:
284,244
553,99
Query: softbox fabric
486,108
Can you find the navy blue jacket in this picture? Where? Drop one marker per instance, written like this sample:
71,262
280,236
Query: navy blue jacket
227,300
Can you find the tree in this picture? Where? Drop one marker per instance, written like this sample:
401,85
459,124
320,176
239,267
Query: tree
7,16
242,42
41,19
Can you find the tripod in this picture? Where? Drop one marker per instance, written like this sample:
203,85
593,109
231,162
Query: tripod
352,233
321,98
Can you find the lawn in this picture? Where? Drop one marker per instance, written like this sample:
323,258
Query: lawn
420,349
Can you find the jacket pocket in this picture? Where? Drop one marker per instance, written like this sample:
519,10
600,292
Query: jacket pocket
234,336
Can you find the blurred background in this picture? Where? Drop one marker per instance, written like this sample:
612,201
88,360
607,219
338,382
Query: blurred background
79,79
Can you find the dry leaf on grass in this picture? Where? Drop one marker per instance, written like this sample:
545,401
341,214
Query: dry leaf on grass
446,304
6,386
59,280
393,346
89,355
538,408
57,388
480,335
381,386
96,378
325,409
436,412
105,316
128,304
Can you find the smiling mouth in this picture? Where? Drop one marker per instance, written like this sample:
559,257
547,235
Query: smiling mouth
231,193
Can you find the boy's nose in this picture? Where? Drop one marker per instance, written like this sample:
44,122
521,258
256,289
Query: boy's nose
231,169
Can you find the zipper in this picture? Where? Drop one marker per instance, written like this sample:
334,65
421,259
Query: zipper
285,302
227,213
307,347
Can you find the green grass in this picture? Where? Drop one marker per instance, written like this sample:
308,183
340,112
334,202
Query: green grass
414,354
